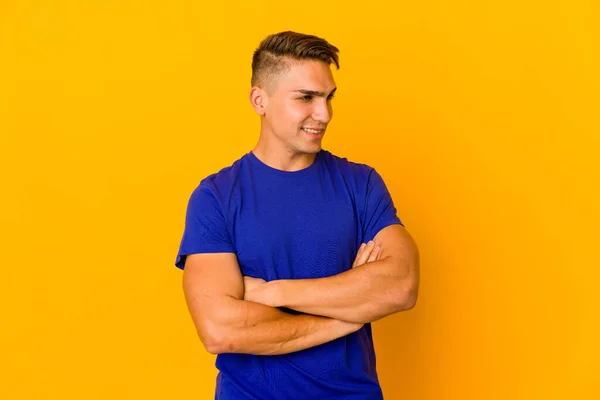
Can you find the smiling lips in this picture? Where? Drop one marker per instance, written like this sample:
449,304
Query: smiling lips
314,131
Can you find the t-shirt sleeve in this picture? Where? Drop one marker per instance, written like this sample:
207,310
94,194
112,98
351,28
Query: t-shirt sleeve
379,210
205,226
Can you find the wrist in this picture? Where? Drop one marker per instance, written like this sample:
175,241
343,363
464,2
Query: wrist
349,327
275,293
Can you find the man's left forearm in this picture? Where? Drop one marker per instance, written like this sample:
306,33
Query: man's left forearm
362,294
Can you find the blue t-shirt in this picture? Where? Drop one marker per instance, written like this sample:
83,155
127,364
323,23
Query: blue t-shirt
292,225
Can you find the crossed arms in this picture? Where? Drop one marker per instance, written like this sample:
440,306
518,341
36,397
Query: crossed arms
235,314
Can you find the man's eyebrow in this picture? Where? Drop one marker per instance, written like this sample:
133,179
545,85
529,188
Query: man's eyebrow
314,93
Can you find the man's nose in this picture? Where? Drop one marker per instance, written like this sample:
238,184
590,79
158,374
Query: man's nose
322,112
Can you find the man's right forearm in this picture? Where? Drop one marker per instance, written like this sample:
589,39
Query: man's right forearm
239,326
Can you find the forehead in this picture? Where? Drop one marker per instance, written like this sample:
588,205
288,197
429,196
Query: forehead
308,75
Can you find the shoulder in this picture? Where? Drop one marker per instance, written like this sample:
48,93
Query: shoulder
226,177
220,183
359,172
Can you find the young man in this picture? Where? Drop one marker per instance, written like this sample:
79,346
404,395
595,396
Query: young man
291,252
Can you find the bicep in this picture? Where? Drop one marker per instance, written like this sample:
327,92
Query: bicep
210,282
395,241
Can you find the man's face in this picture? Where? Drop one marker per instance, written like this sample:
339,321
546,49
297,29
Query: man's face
299,106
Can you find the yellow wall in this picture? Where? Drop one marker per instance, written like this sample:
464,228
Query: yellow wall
482,117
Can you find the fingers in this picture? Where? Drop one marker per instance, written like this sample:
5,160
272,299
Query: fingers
366,253
358,255
374,253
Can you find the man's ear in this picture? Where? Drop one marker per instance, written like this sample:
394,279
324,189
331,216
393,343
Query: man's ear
258,100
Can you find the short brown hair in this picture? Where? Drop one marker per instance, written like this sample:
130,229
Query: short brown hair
274,52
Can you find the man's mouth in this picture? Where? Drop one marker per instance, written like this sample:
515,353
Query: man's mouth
313,130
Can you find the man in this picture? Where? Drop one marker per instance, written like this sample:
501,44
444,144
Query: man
291,252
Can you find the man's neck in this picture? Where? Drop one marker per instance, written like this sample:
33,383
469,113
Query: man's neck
282,158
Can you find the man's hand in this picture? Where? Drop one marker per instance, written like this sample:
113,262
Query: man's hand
258,291
366,253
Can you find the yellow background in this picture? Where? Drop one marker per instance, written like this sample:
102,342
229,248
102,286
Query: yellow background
482,117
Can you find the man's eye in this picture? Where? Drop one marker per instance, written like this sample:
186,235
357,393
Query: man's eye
307,98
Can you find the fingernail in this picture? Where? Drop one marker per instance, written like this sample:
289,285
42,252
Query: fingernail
371,243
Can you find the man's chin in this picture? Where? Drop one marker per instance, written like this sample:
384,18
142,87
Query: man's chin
315,148
310,150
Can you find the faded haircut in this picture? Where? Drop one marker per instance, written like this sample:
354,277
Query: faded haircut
278,51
